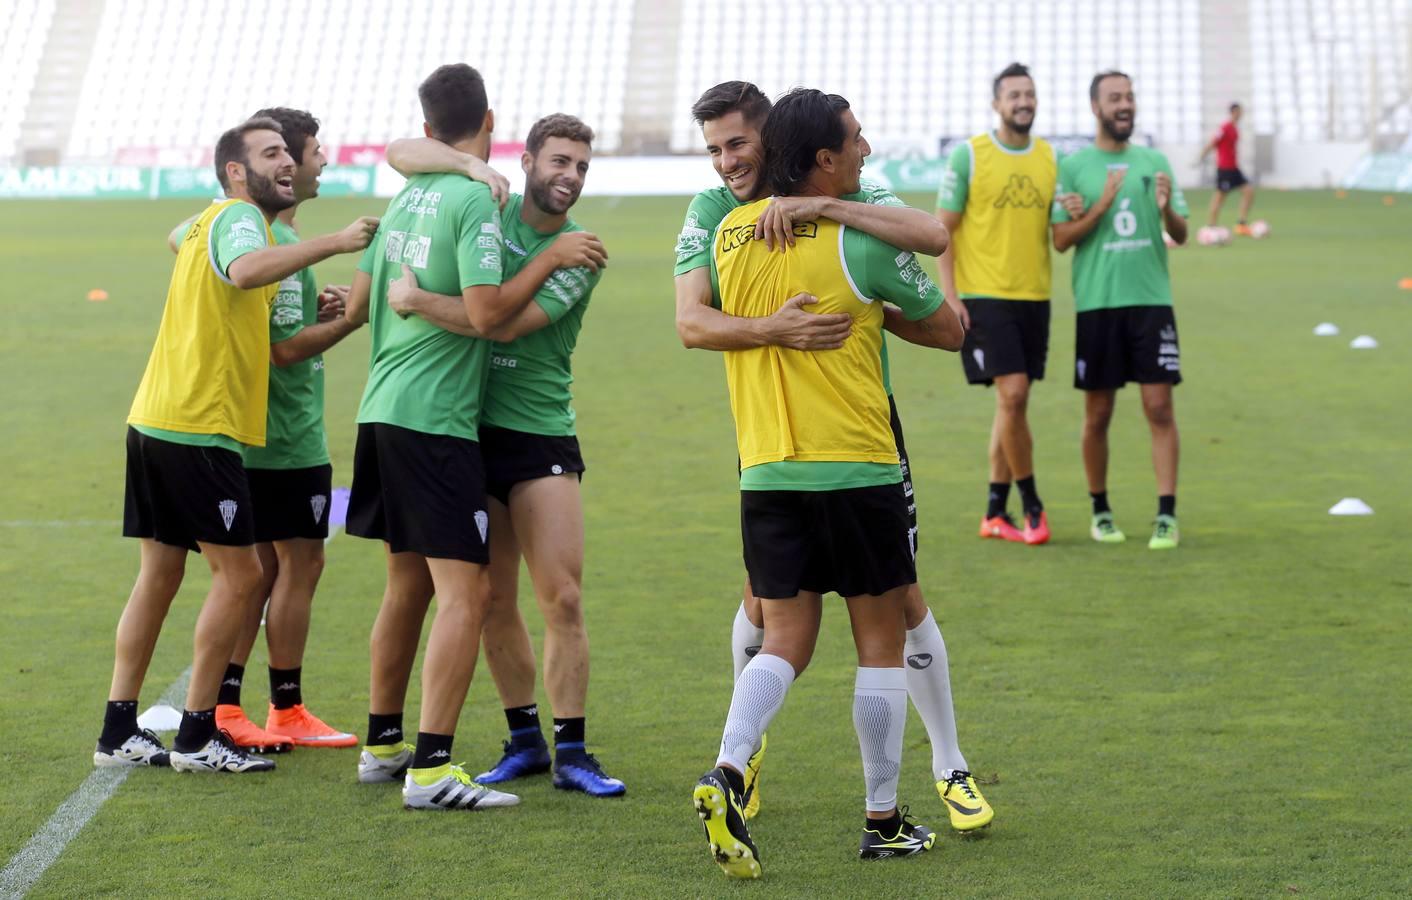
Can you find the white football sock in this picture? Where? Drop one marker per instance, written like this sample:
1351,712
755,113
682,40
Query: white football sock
929,685
745,640
759,694
879,716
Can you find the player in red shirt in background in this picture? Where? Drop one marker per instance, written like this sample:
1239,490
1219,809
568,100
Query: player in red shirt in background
1228,174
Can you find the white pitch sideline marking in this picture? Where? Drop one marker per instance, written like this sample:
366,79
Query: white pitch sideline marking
35,858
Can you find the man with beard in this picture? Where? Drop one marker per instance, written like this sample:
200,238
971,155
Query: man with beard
419,483
823,505
994,199
290,478
201,401
532,458
731,115
1126,329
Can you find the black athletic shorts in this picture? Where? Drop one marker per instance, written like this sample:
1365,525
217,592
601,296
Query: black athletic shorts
854,542
291,503
421,493
906,472
515,456
1229,179
1130,343
181,495
1006,337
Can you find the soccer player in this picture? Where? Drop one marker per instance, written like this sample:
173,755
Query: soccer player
532,458
994,200
290,477
731,115
823,506
201,401
1126,329
1228,173
418,478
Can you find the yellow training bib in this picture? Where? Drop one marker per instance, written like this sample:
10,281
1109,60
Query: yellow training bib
825,406
209,370
1002,244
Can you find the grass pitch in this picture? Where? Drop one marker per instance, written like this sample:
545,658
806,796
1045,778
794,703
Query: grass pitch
1226,720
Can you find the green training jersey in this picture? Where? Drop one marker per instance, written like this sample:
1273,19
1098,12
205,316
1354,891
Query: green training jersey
530,376
880,272
1123,260
294,427
421,377
704,216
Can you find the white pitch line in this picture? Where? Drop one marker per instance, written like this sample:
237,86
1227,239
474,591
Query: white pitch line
35,858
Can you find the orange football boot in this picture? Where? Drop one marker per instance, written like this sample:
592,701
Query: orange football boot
1036,529
247,734
1002,527
307,729
1244,231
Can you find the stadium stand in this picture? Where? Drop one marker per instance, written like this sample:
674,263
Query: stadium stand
917,70
21,21
357,65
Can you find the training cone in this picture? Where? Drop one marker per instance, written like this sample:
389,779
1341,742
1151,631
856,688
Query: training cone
1326,329
160,718
1405,284
1351,506
97,295
1389,200
1364,342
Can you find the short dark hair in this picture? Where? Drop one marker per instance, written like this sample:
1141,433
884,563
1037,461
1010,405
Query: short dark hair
1014,70
557,125
231,147
1234,107
454,102
297,125
1097,79
728,97
800,124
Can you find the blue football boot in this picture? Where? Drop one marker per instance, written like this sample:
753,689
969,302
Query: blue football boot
580,771
518,762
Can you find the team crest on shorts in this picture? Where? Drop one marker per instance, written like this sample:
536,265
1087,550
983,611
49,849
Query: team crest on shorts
228,508
979,355
482,523
317,503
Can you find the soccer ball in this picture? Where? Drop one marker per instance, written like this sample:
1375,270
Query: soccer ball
1213,236
1259,228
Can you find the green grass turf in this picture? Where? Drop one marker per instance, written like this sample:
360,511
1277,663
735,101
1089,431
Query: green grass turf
1226,720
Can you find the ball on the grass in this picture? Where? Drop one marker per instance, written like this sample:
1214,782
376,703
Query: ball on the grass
1259,228
1213,236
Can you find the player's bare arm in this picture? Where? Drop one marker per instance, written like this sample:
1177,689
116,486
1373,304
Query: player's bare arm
946,269
274,264
1171,221
427,156
310,341
333,299
901,226
1067,234
703,327
942,330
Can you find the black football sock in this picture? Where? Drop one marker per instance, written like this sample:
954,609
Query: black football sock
525,730
1100,503
432,750
385,728
1029,496
568,736
999,496
230,686
197,727
285,692
1167,505
886,827
119,722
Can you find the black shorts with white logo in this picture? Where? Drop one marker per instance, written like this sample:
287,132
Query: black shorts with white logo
1006,337
421,493
185,496
1129,343
515,456
291,503
854,541
1229,179
906,472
